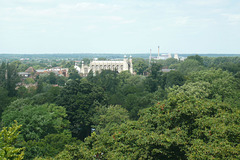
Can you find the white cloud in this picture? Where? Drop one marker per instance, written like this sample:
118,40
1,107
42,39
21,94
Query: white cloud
90,28
206,2
86,6
60,8
157,29
128,21
36,1
232,18
182,21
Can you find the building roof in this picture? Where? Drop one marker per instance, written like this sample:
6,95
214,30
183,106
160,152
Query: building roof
30,70
23,73
41,70
167,70
107,62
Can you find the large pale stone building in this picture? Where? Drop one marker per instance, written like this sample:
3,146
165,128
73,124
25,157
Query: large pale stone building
95,65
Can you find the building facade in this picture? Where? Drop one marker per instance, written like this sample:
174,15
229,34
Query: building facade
98,66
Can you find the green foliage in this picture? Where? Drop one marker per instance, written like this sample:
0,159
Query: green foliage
86,60
155,79
197,58
49,146
140,65
20,66
52,78
190,113
9,78
168,62
37,121
184,131
73,74
188,66
3,75
107,117
8,149
4,99
67,64
130,94
218,61
29,81
222,83
172,78
23,92
155,70
80,98
193,123
49,96
108,80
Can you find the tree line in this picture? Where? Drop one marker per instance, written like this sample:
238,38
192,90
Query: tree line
191,112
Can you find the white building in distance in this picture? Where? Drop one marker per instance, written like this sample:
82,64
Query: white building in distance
95,65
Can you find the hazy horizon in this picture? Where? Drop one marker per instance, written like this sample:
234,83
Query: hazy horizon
119,27
129,53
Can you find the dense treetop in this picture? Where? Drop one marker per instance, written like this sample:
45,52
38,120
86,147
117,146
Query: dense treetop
191,112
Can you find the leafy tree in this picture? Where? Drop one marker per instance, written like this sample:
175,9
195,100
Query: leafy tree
4,99
190,124
155,79
90,77
172,78
168,62
188,66
108,116
140,65
124,78
8,149
197,58
39,86
9,78
49,146
80,98
22,92
19,65
229,66
86,60
12,79
67,64
223,83
218,61
52,78
29,81
61,80
73,74
130,94
3,75
49,96
37,121
108,80
102,59
155,70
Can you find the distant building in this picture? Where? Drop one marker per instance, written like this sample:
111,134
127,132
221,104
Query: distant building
28,73
59,71
176,56
95,65
24,74
31,70
167,70
163,56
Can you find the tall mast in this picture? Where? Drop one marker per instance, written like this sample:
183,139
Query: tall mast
150,57
158,52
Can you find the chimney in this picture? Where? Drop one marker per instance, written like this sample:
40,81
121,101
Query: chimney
150,57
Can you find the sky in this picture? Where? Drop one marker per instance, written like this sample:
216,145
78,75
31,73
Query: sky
119,26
